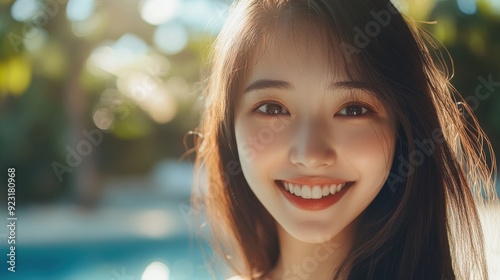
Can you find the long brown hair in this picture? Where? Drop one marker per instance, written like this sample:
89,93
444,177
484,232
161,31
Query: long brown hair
424,223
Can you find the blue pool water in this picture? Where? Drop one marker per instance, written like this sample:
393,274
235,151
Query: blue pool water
117,260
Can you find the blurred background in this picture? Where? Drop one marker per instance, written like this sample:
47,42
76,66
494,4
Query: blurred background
96,97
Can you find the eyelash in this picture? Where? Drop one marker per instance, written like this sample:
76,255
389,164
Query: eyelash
369,109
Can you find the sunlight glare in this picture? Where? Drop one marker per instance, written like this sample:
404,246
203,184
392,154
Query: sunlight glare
156,12
156,271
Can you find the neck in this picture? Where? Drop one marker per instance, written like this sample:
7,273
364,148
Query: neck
303,261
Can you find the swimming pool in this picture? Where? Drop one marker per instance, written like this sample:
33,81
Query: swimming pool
125,259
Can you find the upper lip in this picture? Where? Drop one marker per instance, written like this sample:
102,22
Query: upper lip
311,181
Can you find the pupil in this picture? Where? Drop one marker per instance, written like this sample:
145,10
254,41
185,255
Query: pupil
354,110
273,109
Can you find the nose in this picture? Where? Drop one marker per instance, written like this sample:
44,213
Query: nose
312,146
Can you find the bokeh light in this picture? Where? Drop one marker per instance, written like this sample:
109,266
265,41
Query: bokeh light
102,62
78,10
160,105
204,15
118,56
24,10
87,27
154,224
103,118
129,47
150,93
495,4
15,75
156,12
37,41
156,271
170,38
467,7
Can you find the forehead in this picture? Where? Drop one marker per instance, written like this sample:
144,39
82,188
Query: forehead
298,48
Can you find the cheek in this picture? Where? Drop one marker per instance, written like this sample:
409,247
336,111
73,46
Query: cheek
259,141
248,148
258,156
370,148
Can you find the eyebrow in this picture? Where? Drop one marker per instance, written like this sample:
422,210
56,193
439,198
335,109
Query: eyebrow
268,84
284,85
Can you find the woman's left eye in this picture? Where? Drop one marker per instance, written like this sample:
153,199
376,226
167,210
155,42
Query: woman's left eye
353,111
271,109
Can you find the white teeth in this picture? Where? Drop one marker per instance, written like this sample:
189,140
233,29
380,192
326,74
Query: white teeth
326,190
306,192
314,192
333,189
297,190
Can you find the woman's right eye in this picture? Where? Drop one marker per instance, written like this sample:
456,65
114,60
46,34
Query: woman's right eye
271,109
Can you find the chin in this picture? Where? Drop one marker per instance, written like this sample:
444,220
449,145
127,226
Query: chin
313,232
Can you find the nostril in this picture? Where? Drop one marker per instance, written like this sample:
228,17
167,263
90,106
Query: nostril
313,159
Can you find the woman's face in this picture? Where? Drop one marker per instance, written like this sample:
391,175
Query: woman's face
301,126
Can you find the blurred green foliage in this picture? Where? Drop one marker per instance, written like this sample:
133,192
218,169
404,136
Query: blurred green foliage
473,43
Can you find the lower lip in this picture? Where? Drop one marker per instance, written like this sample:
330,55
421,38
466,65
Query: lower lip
313,204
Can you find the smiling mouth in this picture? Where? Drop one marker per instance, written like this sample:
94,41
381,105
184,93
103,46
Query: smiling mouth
313,191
